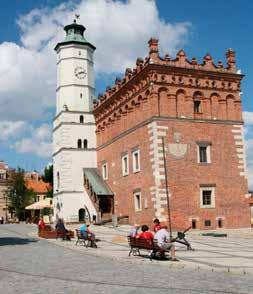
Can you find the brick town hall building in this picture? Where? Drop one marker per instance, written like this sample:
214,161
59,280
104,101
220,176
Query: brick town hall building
108,155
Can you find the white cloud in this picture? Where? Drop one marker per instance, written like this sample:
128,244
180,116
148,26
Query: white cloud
10,129
249,152
38,143
120,32
248,117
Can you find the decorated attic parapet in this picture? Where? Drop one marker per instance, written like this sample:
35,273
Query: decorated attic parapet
181,61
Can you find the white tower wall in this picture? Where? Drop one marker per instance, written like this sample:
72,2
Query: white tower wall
74,99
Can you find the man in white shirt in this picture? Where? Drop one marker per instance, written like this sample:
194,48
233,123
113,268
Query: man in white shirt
163,239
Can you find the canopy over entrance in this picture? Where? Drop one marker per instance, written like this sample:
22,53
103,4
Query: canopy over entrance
96,182
99,193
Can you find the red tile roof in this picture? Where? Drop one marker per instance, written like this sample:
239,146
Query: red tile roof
37,186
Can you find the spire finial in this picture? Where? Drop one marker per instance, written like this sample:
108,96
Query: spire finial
77,16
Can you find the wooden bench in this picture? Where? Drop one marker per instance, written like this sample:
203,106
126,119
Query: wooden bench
65,235
85,240
138,243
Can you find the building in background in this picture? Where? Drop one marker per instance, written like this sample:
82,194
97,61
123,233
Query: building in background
4,183
34,181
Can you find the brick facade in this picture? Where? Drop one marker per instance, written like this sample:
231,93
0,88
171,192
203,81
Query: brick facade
190,106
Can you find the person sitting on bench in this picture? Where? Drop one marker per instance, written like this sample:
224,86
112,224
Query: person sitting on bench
145,234
60,227
86,232
83,230
163,240
134,230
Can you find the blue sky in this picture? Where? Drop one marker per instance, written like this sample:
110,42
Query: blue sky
198,26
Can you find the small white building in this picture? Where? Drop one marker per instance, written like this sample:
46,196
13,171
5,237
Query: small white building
74,138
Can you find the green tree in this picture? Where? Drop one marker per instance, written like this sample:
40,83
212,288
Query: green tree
48,177
18,194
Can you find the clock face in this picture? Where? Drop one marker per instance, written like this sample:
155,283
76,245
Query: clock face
80,72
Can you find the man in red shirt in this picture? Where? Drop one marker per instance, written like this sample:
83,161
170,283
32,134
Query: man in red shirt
145,233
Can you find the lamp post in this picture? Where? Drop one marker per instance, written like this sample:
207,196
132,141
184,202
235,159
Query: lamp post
166,188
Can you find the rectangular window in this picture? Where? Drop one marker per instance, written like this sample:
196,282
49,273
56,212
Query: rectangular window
104,171
137,201
125,165
207,197
204,153
136,161
207,223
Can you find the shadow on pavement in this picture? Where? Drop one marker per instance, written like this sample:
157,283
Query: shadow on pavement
15,241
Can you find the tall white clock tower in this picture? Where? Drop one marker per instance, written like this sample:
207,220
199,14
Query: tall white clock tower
74,138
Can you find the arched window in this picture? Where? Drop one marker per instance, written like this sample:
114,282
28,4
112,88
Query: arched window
197,108
81,95
85,144
58,180
81,119
79,143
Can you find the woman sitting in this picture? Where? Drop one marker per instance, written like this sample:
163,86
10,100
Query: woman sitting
61,230
146,234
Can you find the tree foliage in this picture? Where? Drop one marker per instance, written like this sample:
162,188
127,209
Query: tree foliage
48,177
18,194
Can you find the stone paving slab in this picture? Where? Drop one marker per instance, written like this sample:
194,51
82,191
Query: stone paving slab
233,254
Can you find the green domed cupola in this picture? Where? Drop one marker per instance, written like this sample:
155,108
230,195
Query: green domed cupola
74,35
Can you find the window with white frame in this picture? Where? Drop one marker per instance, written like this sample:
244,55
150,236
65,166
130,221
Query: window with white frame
204,152
207,197
137,201
136,161
105,171
125,165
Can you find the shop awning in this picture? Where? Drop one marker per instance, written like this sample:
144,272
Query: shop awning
45,203
98,185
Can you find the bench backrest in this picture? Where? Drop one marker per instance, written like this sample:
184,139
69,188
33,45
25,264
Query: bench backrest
142,243
81,235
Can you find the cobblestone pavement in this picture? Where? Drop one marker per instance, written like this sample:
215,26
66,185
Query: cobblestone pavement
31,265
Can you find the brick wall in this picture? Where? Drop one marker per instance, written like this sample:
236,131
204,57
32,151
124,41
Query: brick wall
185,103
185,174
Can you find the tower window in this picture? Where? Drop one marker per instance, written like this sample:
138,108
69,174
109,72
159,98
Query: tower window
85,144
197,108
81,95
79,143
79,53
58,180
81,119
